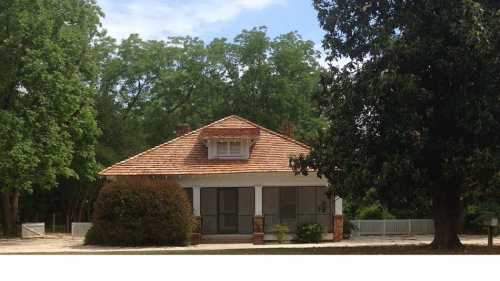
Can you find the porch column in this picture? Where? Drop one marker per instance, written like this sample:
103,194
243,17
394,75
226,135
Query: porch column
338,220
258,219
258,200
196,201
196,234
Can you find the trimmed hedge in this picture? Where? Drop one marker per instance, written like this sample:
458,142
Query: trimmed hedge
141,212
310,233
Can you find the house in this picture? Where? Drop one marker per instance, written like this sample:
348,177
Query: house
239,181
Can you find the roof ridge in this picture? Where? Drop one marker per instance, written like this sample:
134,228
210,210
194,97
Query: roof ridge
272,132
165,143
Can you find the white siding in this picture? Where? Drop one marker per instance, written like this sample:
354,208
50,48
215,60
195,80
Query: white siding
281,179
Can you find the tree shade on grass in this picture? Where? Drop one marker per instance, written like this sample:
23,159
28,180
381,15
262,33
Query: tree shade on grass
416,114
137,212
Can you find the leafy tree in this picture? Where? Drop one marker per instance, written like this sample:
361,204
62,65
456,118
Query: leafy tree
146,88
47,69
417,111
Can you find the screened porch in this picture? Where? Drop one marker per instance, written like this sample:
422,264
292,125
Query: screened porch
231,210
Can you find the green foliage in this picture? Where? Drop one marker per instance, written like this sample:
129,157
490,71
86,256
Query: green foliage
476,215
309,233
94,237
141,212
281,231
373,212
348,228
147,87
47,70
415,114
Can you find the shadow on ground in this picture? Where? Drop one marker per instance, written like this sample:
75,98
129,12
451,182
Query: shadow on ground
359,250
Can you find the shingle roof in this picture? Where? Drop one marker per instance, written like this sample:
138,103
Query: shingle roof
188,155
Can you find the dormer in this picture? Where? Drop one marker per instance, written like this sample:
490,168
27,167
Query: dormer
229,143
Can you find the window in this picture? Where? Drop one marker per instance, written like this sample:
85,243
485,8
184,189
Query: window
234,148
229,149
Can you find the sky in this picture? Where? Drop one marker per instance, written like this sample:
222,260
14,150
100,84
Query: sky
208,19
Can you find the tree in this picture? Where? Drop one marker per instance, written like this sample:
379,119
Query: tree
146,88
47,82
417,111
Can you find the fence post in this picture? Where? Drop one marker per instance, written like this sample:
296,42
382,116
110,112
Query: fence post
384,227
409,227
359,227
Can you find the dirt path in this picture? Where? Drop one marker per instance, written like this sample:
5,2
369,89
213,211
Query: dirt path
66,244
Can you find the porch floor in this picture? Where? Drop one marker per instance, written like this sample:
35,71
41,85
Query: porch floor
225,238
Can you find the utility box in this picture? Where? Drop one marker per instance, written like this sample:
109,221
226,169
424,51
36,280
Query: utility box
80,229
33,230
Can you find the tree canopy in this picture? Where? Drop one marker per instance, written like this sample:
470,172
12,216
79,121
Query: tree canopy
47,73
416,113
146,88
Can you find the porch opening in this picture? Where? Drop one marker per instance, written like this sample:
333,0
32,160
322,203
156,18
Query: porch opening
294,206
227,210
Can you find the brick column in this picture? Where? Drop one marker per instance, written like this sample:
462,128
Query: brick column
338,227
258,230
196,234
258,219
338,220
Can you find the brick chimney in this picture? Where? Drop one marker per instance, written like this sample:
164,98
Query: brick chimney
182,129
287,128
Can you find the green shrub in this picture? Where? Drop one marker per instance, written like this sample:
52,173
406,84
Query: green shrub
373,212
93,237
476,215
348,227
141,212
309,233
281,231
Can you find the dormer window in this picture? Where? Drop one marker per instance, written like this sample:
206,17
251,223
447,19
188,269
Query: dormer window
229,143
229,149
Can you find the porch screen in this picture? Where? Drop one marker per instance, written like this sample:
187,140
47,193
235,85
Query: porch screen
246,210
227,210
270,207
295,206
288,207
324,207
208,210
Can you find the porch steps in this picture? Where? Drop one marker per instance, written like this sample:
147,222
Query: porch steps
226,238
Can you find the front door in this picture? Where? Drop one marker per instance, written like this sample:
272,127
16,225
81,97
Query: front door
227,210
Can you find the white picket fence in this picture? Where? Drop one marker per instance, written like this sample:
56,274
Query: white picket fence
393,227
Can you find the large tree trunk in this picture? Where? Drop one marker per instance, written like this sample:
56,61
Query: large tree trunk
10,203
446,208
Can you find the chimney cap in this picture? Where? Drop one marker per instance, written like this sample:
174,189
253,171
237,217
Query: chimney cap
182,129
287,128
